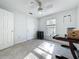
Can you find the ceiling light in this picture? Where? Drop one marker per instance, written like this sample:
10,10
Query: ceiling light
40,12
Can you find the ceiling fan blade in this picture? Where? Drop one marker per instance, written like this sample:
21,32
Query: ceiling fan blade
39,9
39,3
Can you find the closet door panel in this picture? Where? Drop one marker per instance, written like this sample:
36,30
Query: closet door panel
5,30
8,28
1,30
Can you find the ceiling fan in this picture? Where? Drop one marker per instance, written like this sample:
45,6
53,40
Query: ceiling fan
39,4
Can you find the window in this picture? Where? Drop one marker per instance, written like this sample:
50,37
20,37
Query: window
51,27
51,22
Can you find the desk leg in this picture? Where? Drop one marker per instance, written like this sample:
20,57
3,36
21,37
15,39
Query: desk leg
72,49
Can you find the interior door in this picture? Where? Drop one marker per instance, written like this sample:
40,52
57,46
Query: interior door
6,29
1,29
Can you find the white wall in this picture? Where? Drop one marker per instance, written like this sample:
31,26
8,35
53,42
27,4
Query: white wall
59,18
25,27
78,17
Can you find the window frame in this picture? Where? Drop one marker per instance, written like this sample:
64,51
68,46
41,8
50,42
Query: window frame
53,26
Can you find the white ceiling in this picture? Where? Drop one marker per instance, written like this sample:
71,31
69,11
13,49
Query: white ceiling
31,6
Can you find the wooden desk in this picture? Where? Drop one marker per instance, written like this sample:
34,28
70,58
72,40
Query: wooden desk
71,45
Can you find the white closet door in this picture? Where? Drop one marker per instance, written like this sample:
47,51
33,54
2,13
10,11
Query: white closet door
6,29
1,30
10,29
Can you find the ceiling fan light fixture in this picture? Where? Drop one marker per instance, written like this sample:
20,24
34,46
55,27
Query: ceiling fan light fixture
40,12
40,8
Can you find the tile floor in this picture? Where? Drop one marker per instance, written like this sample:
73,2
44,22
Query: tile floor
35,49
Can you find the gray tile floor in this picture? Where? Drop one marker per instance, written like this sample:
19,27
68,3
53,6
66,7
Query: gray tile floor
35,49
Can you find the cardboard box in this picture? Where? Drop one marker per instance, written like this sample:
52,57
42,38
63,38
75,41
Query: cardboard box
73,34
